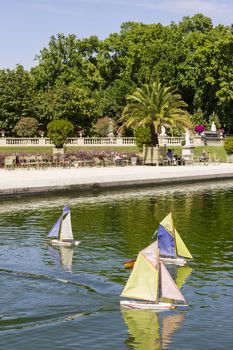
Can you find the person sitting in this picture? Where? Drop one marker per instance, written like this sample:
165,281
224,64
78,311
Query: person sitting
170,156
204,156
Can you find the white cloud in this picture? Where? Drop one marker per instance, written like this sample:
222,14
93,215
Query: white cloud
188,6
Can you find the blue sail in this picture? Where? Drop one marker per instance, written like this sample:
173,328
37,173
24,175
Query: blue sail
166,242
54,232
66,210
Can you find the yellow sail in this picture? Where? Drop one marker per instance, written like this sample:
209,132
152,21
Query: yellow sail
143,281
168,224
182,250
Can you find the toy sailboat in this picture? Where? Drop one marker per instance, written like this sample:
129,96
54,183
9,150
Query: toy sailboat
172,248
149,282
62,230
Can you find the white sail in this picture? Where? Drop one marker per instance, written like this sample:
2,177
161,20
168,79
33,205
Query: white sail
66,228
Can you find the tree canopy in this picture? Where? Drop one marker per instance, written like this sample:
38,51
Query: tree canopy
82,80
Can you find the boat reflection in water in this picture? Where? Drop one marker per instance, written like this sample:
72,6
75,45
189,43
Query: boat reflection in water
63,256
179,274
147,331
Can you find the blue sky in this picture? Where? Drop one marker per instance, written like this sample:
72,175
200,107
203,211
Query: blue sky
27,25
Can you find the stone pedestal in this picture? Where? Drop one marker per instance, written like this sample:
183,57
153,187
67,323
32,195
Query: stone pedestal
58,151
188,152
229,158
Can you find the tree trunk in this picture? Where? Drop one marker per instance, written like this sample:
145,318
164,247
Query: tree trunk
154,136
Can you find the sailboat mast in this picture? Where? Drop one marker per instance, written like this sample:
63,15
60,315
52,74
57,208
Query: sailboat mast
174,235
159,278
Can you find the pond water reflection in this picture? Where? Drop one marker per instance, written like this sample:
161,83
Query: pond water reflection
70,299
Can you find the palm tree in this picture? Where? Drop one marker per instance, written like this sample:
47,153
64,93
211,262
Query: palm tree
155,106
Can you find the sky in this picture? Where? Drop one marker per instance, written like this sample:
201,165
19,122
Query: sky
27,25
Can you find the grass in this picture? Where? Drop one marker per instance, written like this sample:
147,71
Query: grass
26,149
49,149
219,152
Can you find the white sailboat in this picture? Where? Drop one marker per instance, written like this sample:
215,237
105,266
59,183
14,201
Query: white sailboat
171,246
150,283
62,231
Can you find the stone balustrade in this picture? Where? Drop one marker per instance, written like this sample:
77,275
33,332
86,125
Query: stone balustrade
103,141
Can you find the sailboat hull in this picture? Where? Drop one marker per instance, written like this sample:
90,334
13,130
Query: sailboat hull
146,305
56,242
129,264
176,261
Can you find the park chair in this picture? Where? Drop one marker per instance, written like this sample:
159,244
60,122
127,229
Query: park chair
10,162
98,161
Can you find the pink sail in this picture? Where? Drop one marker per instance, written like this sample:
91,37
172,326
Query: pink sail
168,287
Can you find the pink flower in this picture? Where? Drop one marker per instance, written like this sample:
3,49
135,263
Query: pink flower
199,128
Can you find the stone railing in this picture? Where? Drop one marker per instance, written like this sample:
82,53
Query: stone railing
75,141
170,141
104,141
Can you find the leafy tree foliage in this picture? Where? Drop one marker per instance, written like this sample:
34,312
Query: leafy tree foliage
16,97
142,137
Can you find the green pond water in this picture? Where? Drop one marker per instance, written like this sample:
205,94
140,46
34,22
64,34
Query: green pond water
51,299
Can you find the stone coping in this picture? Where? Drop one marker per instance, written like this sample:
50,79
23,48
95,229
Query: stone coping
19,182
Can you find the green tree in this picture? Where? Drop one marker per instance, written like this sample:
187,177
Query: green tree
71,102
155,105
59,130
142,137
16,97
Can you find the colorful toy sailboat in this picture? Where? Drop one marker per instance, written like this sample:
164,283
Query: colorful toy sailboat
62,230
149,282
171,246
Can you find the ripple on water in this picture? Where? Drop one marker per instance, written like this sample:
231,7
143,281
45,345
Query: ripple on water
46,301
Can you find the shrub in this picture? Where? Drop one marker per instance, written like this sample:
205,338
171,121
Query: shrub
27,127
142,137
105,126
228,144
59,130
183,143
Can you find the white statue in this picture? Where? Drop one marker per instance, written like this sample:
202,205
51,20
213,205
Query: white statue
213,127
163,131
187,137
